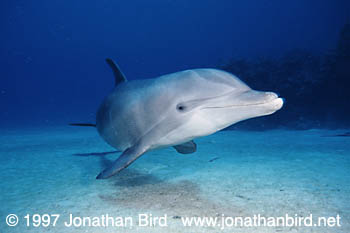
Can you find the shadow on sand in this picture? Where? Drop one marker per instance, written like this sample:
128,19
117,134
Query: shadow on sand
146,192
143,191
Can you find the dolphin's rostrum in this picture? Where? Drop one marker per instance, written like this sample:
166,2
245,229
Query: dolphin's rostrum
173,109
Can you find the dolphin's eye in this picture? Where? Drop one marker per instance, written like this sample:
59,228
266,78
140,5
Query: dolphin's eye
180,107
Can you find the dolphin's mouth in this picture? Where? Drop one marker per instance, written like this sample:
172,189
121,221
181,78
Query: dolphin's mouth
276,101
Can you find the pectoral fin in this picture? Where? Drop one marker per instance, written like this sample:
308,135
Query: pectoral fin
124,160
186,148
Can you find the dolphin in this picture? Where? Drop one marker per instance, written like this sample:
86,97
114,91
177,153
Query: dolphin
171,110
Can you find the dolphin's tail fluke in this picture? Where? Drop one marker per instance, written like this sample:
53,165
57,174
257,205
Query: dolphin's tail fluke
82,124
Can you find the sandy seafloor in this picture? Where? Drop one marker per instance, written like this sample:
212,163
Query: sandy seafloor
271,172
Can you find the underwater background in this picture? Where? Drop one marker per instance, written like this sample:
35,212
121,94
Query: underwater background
52,53
53,72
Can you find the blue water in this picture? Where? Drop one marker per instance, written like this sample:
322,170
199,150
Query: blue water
52,59
53,72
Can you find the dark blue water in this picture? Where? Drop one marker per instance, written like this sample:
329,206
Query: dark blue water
53,72
52,65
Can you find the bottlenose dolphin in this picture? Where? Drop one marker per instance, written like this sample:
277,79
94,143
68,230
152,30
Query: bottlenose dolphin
173,109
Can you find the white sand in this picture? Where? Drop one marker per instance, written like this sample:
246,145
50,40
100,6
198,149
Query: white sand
272,173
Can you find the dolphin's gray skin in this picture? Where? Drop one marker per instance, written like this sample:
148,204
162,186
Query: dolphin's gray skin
172,110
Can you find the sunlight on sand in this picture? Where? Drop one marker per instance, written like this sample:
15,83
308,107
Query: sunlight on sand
233,173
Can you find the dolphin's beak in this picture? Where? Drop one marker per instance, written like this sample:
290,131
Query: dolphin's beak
253,97
238,106
269,100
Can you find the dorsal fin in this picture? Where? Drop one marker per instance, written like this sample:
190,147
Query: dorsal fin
118,74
